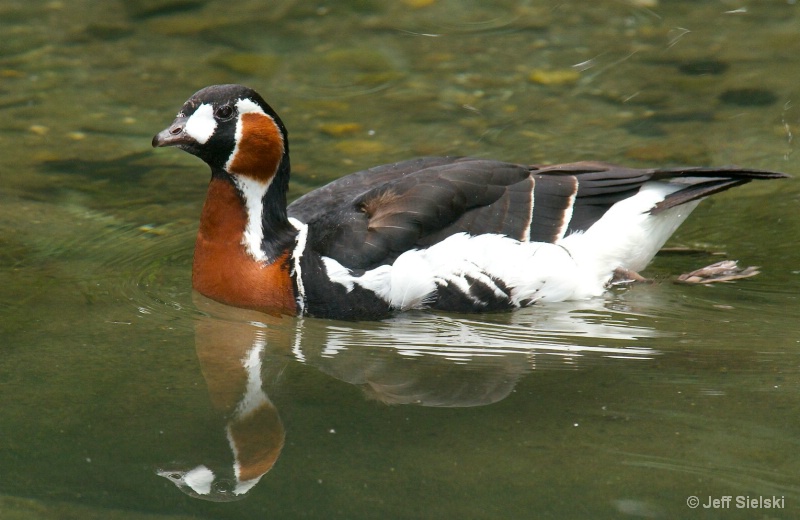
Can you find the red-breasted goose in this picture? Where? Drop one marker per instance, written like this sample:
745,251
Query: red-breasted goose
451,233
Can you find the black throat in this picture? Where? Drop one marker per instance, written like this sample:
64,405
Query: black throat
278,233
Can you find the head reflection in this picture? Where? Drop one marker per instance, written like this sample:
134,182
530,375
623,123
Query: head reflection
231,355
201,482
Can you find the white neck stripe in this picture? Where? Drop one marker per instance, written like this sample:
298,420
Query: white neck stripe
253,192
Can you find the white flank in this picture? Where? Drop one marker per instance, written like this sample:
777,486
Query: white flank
253,192
627,236
577,267
297,254
201,125
339,273
532,271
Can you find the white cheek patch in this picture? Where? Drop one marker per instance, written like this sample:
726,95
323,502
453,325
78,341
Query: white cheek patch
201,125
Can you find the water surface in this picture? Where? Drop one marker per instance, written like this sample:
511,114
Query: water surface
112,372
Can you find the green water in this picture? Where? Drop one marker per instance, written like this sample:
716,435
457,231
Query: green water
624,407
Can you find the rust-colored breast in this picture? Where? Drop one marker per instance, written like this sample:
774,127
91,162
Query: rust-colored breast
224,271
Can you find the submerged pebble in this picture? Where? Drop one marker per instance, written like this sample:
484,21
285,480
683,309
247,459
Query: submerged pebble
145,8
40,130
340,129
748,97
101,31
645,127
554,77
417,4
703,67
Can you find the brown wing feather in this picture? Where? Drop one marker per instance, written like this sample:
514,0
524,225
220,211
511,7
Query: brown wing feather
420,207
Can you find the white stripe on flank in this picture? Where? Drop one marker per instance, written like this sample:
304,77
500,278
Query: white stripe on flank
566,217
526,234
201,125
253,192
297,254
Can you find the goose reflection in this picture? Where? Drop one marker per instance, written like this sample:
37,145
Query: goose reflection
445,361
423,359
231,355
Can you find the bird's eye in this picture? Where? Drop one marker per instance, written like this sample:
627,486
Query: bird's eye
224,486
223,112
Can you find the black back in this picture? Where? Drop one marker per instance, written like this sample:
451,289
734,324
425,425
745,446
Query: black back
369,218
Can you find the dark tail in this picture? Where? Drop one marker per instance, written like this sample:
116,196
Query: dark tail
702,182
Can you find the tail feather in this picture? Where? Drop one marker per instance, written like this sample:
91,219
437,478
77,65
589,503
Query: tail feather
602,185
732,172
695,192
702,182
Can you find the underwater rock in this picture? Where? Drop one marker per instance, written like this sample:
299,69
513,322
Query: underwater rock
748,97
340,129
554,77
652,125
703,67
145,8
418,4
101,31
